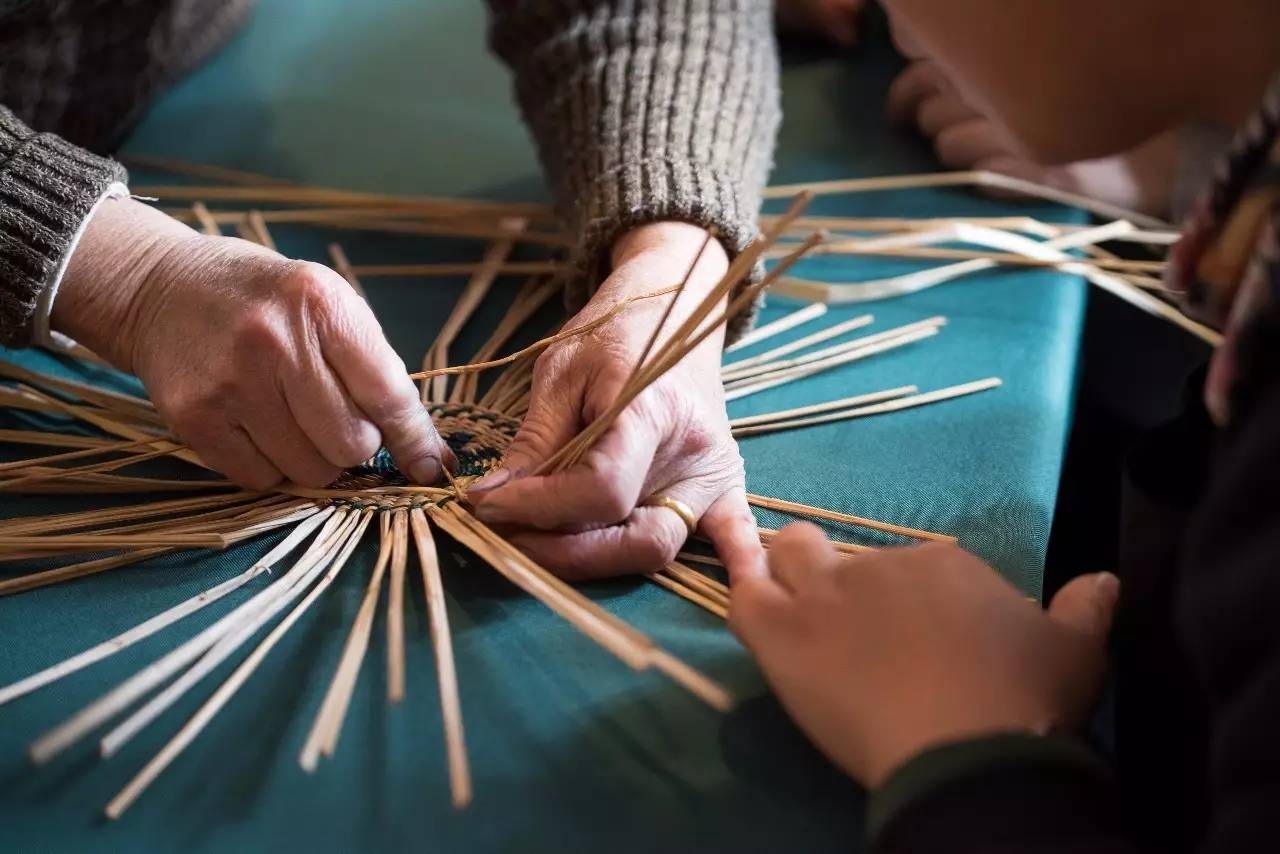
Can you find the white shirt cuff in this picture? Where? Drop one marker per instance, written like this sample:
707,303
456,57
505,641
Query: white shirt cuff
41,334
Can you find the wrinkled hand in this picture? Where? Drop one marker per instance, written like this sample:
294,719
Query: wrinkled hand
884,655
672,440
268,368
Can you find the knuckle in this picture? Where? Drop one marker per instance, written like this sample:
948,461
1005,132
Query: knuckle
358,446
395,413
613,505
305,283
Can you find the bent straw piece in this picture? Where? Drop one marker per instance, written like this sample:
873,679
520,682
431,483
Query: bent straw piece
343,266
126,639
797,509
208,225
123,695
874,409
395,606
121,802
743,389
782,324
446,673
813,409
270,602
614,310
830,332
690,594
323,736
976,178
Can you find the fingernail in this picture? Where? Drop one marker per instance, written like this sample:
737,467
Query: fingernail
450,458
491,481
425,470
1107,587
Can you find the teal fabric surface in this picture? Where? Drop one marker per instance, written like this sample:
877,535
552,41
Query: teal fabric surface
569,749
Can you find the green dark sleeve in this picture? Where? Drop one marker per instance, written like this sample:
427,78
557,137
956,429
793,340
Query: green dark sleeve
1003,793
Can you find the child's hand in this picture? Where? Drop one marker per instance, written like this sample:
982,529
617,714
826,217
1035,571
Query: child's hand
964,139
881,656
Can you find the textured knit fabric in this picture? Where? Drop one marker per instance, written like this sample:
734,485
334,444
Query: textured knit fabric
646,110
47,188
86,69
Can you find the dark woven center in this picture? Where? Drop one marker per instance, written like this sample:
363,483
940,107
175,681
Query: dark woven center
477,437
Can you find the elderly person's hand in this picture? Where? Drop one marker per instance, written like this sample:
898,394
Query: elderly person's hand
268,368
882,656
591,519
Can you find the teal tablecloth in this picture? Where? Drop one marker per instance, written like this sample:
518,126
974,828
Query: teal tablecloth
570,750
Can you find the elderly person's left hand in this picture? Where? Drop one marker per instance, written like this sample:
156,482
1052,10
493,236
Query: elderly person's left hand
673,440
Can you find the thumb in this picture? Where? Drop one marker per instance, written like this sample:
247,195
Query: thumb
1087,605
552,420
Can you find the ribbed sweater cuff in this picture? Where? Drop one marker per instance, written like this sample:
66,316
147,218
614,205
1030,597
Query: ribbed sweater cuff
47,188
658,190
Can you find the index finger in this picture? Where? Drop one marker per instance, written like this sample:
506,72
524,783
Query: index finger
378,383
601,489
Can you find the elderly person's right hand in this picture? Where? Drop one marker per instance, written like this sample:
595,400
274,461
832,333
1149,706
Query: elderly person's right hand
268,368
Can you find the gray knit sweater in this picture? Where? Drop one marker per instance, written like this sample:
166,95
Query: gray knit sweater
645,110
642,110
